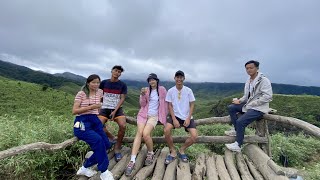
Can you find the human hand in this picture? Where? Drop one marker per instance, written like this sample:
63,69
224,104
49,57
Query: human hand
143,91
95,106
235,101
176,123
186,122
112,115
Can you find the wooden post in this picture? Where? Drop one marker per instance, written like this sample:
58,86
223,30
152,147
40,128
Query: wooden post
262,131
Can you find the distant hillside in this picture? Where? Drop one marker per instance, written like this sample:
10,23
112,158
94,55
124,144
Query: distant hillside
71,83
227,89
71,76
13,71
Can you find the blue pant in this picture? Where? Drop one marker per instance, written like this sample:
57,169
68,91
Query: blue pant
91,131
243,121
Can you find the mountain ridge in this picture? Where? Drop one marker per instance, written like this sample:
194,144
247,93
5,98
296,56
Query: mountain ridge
13,71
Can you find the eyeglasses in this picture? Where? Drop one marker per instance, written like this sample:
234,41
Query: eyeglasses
179,95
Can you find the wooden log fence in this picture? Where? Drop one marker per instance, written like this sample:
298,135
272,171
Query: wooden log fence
262,135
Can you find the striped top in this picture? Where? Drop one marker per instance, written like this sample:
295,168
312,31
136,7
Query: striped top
85,101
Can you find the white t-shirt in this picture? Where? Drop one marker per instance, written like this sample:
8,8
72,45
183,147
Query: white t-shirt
251,85
153,103
180,101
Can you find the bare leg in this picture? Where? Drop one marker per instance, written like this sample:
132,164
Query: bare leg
169,139
147,136
104,121
137,139
192,139
122,129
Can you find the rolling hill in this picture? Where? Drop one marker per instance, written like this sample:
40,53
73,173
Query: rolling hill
72,82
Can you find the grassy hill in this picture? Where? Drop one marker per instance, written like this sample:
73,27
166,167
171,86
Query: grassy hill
30,113
16,72
304,107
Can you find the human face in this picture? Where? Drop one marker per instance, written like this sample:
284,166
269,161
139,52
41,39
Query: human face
153,83
94,84
251,69
116,73
179,80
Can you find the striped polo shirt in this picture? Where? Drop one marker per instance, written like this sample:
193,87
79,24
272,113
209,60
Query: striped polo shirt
87,101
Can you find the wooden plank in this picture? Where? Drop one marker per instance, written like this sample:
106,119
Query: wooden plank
183,171
221,168
243,168
212,173
160,167
231,165
200,168
147,170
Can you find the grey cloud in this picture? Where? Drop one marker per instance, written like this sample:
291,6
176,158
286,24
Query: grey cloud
208,40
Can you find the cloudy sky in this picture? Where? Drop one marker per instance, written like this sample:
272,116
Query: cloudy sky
209,40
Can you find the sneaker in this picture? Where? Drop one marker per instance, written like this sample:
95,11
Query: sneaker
86,172
149,159
234,147
129,168
107,175
231,132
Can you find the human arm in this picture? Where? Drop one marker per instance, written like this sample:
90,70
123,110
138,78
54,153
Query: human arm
176,123
143,97
187,121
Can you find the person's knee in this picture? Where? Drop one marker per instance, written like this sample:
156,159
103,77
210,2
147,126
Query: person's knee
231,108
194,137
122,126
146,135
241,122
167,131
98,143
102,119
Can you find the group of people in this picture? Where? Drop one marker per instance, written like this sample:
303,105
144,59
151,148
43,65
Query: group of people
101,101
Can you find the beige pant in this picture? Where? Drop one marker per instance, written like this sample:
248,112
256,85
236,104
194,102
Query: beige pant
153,120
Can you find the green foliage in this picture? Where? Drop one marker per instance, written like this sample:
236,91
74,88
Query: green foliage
304,107
302,151
70,88
28,115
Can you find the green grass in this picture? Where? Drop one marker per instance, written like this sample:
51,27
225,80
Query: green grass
30,113
303,152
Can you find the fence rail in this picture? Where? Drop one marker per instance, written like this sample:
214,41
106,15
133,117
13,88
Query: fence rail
261,137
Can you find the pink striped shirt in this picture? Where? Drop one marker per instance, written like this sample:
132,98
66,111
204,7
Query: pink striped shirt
85,101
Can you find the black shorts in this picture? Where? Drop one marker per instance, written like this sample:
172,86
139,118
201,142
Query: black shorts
191,125
106,113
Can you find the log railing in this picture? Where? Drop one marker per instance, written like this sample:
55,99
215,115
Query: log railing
261,137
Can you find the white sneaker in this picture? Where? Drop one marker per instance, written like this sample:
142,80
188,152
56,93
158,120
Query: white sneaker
107,175
86,172
234,147
231,132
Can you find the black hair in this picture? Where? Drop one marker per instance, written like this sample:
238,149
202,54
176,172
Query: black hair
118,67
157,88
256,63
85,88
